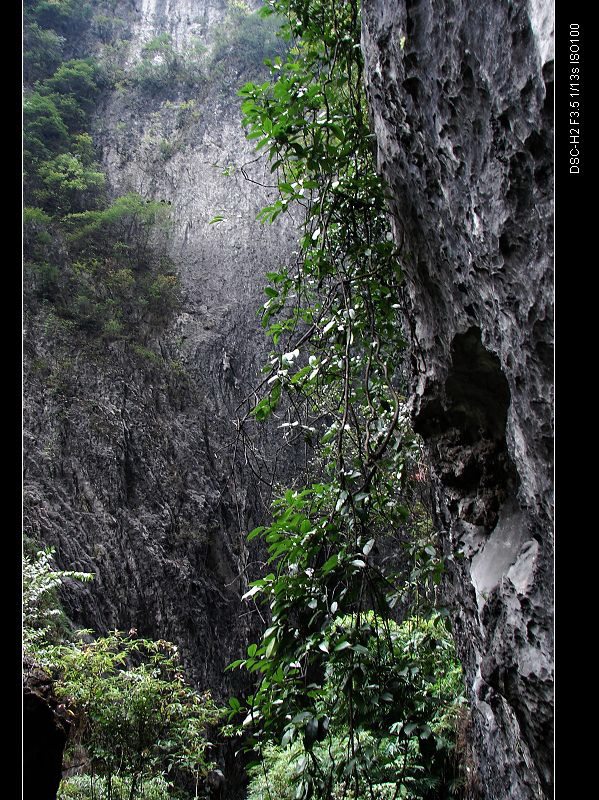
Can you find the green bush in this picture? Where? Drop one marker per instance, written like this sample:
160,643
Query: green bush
167,149
107,28
74,89
70,186
117,278
44,130
139,719
163,293
42,52
276,776
66,17
37,226
113,329
405,693
152,76
45,278
84,787
132,713
245,41
129,219
82,147
80,77
164,70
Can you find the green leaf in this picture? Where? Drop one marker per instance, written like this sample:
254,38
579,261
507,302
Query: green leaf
256,532
251,592
368,547
330,563
342,646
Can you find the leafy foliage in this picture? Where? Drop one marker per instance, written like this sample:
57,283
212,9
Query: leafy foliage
163,70
405,714
138,721
43,619
353,546
69,184
245,40
134,716
101,265
83,787
118,278
42,52
66,17
78,79
44,129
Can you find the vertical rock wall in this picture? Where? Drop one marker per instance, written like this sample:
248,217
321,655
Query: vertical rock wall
128,448
460,94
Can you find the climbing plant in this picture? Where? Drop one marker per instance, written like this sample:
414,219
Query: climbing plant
350,546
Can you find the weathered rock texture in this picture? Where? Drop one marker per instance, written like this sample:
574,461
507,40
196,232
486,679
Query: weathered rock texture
128,456
461,101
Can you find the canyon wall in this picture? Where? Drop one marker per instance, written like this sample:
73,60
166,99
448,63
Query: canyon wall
129,447
460,95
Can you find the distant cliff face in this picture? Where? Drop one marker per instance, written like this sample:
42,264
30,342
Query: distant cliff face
128,448
461,100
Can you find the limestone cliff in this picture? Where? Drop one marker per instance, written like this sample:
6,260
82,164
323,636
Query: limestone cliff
128,464
460,94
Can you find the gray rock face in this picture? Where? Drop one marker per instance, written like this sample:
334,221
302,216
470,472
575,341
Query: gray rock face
129,449
461,102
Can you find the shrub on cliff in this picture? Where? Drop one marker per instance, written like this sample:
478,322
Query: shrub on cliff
100,265
42,52
162,69
245,40
67,17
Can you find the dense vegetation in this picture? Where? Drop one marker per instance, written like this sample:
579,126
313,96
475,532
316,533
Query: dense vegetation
99,265
357,684
136,726
96,271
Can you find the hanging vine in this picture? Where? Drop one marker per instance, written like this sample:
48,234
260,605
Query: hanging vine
351,550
